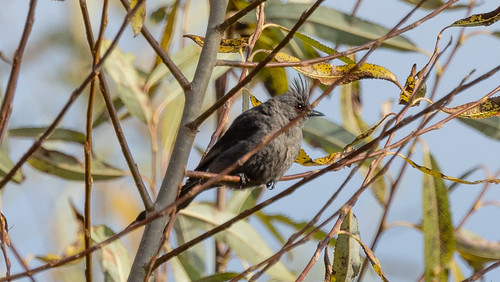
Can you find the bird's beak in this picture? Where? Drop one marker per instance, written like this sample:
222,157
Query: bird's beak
314,113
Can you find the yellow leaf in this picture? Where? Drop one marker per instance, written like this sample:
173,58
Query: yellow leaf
329,74
409,88
255,101
485,19
226,45
438,174
139,16
305,160
488,108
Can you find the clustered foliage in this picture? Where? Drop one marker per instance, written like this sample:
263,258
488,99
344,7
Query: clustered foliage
127,149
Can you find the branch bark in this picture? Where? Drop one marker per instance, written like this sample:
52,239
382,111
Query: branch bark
153,233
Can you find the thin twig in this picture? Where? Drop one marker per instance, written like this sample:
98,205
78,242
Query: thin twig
6,108
227,23
165,58
70,101
196,123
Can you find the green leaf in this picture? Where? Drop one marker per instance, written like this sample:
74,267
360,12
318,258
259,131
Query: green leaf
488,126
347,259
316,44
193,259
128,82
242,199
114,257
60,134
181,270
241,237
6,165
330,137
69,167
350,107
476,250
219,277
270,221
434,4
102,112
274,79
439,241
331,25
170,119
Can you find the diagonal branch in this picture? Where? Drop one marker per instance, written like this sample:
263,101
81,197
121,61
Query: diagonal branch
74,95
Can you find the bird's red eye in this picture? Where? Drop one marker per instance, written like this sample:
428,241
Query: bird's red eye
299,107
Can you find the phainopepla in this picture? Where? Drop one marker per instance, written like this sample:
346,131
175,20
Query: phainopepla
270,163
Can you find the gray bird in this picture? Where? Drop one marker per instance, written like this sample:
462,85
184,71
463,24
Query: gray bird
270,163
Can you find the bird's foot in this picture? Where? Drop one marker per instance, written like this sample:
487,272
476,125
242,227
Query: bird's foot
271,185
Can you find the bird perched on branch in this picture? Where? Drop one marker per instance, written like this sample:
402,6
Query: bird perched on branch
248,130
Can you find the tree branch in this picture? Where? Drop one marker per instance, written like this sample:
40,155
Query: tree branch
6,109
153,233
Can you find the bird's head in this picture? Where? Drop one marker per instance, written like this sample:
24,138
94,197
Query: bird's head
296,100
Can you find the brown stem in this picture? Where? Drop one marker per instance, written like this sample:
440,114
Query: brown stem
70,101
6,108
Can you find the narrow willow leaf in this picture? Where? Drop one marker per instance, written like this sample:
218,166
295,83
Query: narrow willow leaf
137,20
456,272
181,270
485,19
169,28
329,74
377,267
488,126
439,240
102,114
305,160
61,134
68,167
241,237
75,247
242,199
272,220
351,110
409,88
114,257
316,44
330,137
344,29
476,250
193,259
170,120
274,79
233,45
435,173
434,4
489,107
6,165
219,277
347,260
129,84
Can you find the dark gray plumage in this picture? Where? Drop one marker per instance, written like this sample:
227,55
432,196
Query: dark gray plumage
270,163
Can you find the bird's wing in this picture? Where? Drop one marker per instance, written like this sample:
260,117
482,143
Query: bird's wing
243,128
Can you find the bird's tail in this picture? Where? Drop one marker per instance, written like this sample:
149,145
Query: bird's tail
190,183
